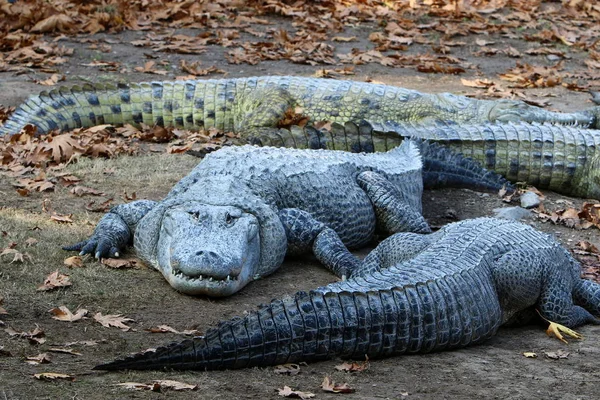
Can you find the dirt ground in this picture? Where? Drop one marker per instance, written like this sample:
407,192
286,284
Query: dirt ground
496,369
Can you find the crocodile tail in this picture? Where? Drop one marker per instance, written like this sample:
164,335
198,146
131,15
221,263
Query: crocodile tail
433,315
444,168
185,104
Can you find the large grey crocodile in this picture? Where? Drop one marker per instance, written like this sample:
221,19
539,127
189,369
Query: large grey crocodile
559,157
413,293
236,215
253,105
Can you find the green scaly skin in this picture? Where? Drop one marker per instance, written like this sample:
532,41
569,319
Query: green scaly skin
557,157
256,105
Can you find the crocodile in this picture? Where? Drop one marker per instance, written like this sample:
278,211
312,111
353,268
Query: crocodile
557,156
241,209
414,293
254,106
565,159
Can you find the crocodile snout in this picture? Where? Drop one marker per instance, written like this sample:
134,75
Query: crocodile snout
206,264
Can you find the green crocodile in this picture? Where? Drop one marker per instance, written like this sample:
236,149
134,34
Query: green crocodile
258,104
560,155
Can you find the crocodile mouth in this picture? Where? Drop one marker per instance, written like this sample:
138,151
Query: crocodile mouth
177,273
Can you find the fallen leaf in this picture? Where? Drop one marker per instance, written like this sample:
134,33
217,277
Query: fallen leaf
52,376
102,207
116,320
82,191
36,336
30,242
17,255
556,330
63,219
175,385
65,351
354,366
54,280
123,263
287,369
73,262
157,385
288,392
168,329
62,313
330,386
558,354
41,358
53,80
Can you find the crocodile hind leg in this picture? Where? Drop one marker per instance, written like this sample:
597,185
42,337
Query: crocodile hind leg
305,233
394,213
587,294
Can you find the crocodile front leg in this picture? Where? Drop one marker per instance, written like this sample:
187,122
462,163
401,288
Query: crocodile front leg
114,231
394,214
305,233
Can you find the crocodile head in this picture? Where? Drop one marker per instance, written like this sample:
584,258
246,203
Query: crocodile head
208,250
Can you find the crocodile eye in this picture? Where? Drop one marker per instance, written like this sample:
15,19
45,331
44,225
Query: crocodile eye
230,219
195,214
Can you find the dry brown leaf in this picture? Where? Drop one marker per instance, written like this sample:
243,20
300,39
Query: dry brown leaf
287,369
54,280
157,385
344,39
477,83
73,262
80,191
36,336
62,313
64,351
17,255
116,320
30,242
288,392
62,218
57,22
53,80
123,263
52,376
354,366
330,386
102,207
41,358
61,147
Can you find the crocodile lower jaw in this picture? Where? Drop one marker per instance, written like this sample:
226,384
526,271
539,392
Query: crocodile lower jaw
202,278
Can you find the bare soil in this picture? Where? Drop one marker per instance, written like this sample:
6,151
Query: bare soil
496,369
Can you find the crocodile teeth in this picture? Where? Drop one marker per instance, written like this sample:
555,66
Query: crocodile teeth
199,278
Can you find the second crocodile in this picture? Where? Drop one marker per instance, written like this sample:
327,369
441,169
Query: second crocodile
412,294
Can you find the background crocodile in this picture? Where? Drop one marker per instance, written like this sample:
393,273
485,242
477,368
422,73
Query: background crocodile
413,293
253,105
555,156
237,214
565,159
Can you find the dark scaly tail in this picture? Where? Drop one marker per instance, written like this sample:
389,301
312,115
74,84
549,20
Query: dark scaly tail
433,315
